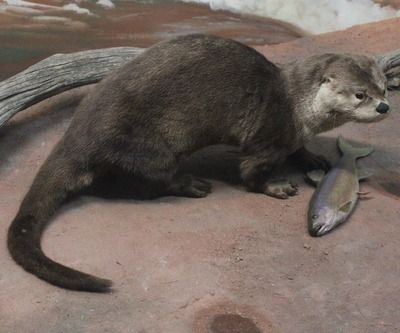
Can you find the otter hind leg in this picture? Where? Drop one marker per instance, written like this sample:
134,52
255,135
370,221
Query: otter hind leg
150,171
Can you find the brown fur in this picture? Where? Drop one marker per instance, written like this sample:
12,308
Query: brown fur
175,98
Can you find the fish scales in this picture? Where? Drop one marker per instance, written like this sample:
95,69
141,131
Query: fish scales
337,193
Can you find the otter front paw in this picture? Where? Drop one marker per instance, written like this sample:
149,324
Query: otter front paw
281,189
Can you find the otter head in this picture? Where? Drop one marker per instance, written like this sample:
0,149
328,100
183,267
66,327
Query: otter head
352,88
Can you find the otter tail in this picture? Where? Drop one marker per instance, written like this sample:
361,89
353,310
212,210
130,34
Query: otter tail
55,181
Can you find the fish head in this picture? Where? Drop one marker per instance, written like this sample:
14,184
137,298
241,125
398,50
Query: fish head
322,220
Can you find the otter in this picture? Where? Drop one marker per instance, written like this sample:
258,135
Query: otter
177,97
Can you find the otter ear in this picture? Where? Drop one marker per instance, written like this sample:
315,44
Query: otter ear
328,78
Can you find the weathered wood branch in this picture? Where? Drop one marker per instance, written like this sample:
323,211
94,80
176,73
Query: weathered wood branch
59,73
390,63
62,72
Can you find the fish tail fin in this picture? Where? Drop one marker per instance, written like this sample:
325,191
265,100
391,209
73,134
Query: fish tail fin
347,149
56,180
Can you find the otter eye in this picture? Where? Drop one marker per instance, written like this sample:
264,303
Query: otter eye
360,95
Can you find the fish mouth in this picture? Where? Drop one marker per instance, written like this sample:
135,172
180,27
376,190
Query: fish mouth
320,230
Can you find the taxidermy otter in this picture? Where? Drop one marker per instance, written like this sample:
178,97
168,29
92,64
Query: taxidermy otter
182,95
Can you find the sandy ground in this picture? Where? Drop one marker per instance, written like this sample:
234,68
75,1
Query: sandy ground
232,262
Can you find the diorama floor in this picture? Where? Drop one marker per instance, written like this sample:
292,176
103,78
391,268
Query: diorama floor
231,262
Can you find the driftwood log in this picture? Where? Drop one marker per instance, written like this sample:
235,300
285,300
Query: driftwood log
62,72
390,63
59,73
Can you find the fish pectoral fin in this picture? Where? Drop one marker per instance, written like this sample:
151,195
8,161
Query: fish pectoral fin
364,173
346,207
364,195
315,176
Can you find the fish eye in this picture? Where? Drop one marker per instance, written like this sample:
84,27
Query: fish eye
314,217
360,95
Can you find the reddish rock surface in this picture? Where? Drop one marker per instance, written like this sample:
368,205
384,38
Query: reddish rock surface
394,3
371,39
178,263
26,38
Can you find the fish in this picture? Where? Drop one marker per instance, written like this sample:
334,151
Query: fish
338,191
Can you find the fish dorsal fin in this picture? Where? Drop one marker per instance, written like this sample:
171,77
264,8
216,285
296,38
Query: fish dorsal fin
347,148
315,176
364,173
345,208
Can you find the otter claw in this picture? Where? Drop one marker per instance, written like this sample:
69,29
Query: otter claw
281,189
189,186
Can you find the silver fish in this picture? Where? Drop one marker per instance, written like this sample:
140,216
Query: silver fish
337,193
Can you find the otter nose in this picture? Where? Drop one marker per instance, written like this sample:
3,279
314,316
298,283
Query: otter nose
382,108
